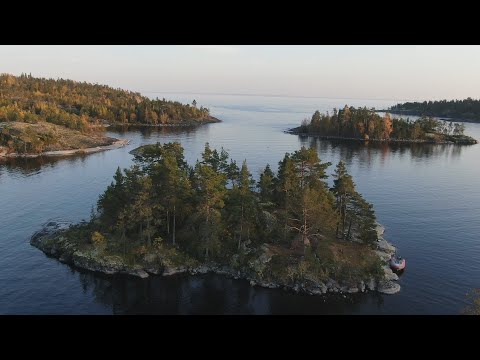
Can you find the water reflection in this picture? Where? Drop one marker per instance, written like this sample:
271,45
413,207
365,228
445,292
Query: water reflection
211,294
390,176
30,166
149,131
349,151
367,152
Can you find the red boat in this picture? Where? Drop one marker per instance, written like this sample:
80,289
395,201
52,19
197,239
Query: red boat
397,263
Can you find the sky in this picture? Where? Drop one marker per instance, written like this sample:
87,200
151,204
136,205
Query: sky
407,72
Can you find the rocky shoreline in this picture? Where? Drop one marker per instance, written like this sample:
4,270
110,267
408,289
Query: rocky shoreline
465,141
117,143
52,243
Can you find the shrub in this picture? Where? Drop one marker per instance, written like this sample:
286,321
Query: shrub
99,241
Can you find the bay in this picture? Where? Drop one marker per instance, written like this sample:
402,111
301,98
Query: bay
427,197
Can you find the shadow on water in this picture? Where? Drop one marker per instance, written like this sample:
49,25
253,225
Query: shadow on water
147,131
28,166
210,294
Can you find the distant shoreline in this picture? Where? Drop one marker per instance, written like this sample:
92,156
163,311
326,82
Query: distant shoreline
413,113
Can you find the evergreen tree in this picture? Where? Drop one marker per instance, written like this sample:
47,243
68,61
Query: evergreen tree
233,173
366,220
309,175
246,202
285,187
112,201
344,191
266,185
210,189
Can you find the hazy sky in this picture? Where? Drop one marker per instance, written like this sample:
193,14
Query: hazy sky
369,72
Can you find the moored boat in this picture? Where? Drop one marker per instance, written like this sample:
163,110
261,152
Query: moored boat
397,263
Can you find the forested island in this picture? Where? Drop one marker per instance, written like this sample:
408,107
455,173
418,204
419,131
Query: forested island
288,230
463,110
367,125
40,115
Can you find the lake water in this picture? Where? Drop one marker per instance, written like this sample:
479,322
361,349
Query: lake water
427,197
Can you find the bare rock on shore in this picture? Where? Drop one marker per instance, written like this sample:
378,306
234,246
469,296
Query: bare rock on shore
137,271
371,284
389,274
383,255
385,246
52,240
388,287
380,230
174,270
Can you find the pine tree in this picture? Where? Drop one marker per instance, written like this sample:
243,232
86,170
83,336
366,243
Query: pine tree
233,173
309,177
285,186
266,185
113,200
210,189
247,201
344,191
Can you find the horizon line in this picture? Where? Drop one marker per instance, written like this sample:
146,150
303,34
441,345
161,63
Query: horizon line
270,95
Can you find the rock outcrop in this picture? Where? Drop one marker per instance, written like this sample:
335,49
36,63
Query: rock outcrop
388,287
384,251
51,241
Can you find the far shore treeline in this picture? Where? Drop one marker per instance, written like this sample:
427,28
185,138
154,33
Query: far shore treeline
463,110
77,105
367,124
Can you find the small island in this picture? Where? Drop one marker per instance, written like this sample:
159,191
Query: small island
287,230
41,116
365,124
467,110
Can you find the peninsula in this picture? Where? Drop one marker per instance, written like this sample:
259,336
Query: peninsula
287,230
41,116
365,124
21,139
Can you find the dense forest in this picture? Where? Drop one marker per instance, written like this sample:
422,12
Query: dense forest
468,109
216,211
79,105
366,124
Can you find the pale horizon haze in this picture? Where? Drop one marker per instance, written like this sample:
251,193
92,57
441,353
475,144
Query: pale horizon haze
400,72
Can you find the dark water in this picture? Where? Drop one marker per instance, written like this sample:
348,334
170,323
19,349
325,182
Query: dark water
427,196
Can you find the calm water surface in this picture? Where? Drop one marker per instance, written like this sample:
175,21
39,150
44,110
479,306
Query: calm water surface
427,196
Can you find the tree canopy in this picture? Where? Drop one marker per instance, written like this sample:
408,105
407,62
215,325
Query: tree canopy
210,214
468,109
367,124
78,105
